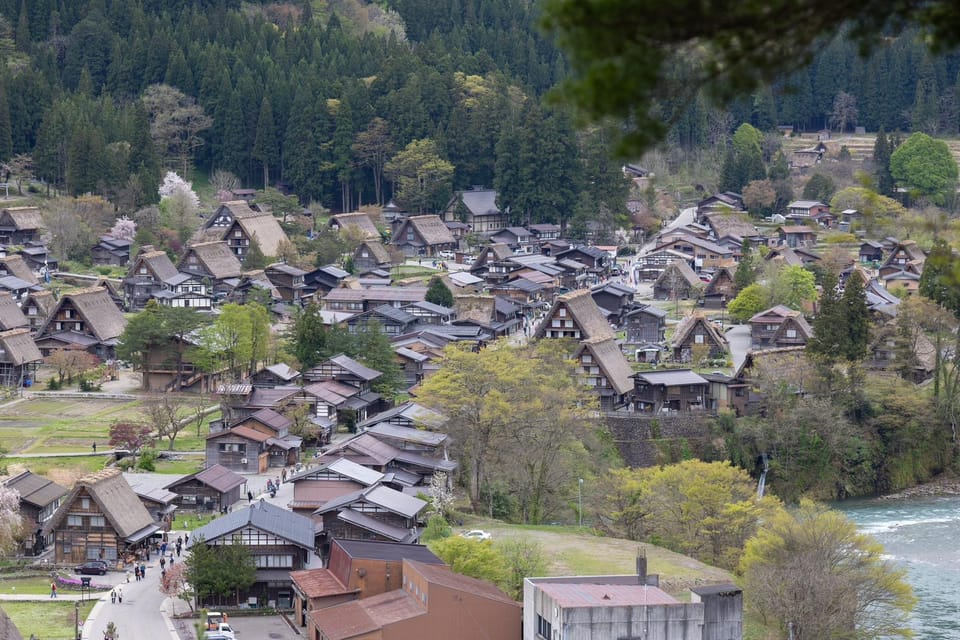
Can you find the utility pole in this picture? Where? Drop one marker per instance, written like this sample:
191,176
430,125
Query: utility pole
580,502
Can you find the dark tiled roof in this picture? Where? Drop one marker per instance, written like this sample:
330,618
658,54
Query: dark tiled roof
266,517
389,551
36,490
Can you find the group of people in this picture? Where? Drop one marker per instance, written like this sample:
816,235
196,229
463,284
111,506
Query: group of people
116,595
139,571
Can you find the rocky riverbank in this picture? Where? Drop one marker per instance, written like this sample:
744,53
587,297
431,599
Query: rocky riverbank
942,485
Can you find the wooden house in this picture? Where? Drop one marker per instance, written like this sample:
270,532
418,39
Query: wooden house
39,500
695,336
283,448
677,281
517,238
408,414
778,327
11,315
905,256
356,569
316,485
279,541
803,159
288,281
907,281
185,291
871,251
597,260
645,324
168,365
806,209
603,368
19,358
85,318
155,497
409,468
430,313
432,602
37,256
240,449
213,489
423,236
370,256
574,315
795,236
387,319
111,251
343,369
358,224
15,265
276,375
146,276
210,260
726,201
20,225
669,390
706,254
239,225
721,289
376,512
36,307
545,231
101,519
614,299
367,298
477,208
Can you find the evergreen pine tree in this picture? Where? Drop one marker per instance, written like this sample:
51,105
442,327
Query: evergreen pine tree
265,148
254,259
881,163
6,130
856,319
828,330
439,293
747,269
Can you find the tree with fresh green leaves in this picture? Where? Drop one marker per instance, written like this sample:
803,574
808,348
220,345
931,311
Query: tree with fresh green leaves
439,293
524,558
474,558
307,337
421,177
746,271
743,161
437,529
371,346
750,301
811,572
236,341
219,570
925,167
792,286
254,259
280,205
828,331
158,328
176,122
819,187
704,509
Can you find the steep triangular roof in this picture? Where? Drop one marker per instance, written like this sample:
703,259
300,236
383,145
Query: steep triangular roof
11,317
583,311
118,502
359,221
688,324
216,257
265,229
22,218
18,348
681,268
15,265
102,317
608,356
430,228
158,262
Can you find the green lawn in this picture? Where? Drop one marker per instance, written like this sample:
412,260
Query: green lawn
81,465
37,585
180,467
48,620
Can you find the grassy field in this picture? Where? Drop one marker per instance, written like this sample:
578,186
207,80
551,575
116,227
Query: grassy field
48,620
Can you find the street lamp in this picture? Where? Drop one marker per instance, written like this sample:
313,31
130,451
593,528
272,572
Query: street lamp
580,502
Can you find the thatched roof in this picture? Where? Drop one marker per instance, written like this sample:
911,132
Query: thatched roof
10,315
216,257
689,323
263,228
118,502
18,348
377,251
729,223
157,262
476,309
44,301
583,310
15,265
681,268
22,218
101,316
608,356
430,228
359,221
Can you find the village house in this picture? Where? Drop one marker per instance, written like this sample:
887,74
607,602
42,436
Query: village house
17,288
15,265
19,358
101,519
36,307
904,256
614,299
288,281
213,262
628,606
146,276
279,541
489,317
677,281
39,500
871,251
214,489
84,318
387,319
645,324
38,258
155,497
805,209
376,512
275,375
240,449
169,365
669,390
650,265
706,254
544,231
20,225
517,238
574,315
696,337
721,289
367,298
239,225
432,602
370,256
409,414
413,470
720,202
11,315
478,209
795,236
603,368
777,327
184,291
111,251
356,569
906,281
423,236
358,224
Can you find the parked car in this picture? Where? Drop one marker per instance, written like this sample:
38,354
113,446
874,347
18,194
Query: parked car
223,629
93,567
476,534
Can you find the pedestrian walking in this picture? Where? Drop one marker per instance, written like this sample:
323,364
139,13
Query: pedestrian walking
186,538
163,562
178,550
163,548
136,572
113,596
249,497
119,595
94,447
53,589
179,540
143,570
171,559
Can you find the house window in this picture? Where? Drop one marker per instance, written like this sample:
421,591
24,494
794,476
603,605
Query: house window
74,521
410,235
274,561
544,628
143,271
562,312
555,324
84,503
771,327
97,521
232,447
698,339
791,333
238,233
587,358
